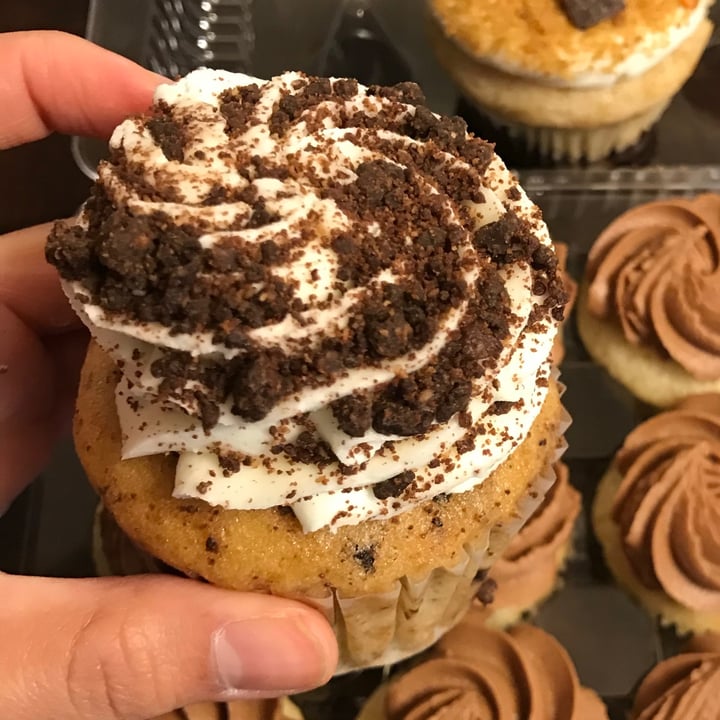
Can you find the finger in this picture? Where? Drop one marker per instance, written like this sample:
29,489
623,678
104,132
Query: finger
27,380
29,285
134,648
55,81
38,383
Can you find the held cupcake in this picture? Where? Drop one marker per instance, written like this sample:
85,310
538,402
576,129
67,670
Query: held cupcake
683,687
476,672
323,319
650,311
571,80
528,571
281,709
657,515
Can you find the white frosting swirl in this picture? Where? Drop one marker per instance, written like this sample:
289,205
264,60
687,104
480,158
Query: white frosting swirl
155,419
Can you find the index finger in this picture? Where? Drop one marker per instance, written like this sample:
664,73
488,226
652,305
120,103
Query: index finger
55,81
29,286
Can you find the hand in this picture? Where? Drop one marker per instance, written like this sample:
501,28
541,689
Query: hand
114,648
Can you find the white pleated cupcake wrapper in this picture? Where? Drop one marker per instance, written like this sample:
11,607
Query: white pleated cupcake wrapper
384,628
576,144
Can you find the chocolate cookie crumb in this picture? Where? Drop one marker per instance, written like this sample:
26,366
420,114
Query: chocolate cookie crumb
394,486
584,14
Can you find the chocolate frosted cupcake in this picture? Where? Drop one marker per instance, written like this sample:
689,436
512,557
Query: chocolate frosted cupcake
657,515
323,320
476,672
527,573
281,709
570,80
650,310
683,687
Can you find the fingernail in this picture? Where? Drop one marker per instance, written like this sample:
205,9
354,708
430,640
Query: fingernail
269,654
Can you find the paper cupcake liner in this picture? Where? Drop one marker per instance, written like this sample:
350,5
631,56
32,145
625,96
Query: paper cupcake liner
578,144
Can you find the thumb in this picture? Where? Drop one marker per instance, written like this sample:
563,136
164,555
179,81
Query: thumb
133,648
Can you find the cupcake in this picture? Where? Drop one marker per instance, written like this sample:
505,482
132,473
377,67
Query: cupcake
657,515
649,312
527,573
281,709
570,80
683,687
323,319
476,672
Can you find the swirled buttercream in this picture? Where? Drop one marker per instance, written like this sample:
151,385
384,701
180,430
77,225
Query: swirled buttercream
683,686
475,672
528,569
667,506
238,710
656,269
320,295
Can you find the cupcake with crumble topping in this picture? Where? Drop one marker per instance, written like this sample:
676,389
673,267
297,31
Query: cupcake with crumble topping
657,515
571,80
323,320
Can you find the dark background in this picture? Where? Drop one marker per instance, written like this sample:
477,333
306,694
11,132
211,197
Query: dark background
28,196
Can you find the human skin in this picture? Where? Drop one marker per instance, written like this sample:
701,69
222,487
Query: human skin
115,648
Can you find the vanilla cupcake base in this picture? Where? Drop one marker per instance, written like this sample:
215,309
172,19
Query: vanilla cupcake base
388,588
656,602
655,380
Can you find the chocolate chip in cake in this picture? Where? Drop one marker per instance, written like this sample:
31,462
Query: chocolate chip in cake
584,14
212,545
366,557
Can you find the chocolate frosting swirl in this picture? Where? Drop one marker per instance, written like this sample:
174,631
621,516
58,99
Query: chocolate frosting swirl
238,710
476,672
527,571
684,686
667,505
656,269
